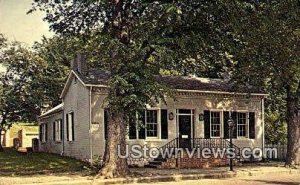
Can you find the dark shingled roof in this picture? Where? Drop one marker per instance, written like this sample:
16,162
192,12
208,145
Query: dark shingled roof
100,77
95,77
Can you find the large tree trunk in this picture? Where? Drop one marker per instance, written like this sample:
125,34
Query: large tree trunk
293,145
114,166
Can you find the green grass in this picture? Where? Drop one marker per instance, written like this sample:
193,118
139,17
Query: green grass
14,163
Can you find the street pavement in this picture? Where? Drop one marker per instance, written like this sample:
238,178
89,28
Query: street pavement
274,179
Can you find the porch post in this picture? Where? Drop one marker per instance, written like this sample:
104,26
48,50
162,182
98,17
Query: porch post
231,125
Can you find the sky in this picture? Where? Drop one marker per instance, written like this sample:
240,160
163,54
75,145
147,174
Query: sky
16,25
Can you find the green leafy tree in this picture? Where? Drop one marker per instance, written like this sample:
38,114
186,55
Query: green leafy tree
18,101
275,128
137,39
56,53
270,56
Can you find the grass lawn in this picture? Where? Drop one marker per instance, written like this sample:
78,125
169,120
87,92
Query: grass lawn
14,163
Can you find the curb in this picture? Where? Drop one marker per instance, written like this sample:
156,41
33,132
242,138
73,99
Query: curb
170,178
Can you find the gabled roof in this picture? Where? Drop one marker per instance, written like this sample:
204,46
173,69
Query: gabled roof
182,83
54,110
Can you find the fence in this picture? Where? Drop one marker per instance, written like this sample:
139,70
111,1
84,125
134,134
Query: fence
281,152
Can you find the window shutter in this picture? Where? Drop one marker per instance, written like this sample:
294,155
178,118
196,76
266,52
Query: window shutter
46,132
105,122
132,128
226,128
164,123
67,126
207,124
41,133
54,130
142,125
73,127
252,125
234,118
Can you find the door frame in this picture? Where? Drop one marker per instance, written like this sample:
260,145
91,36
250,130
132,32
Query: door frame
192,114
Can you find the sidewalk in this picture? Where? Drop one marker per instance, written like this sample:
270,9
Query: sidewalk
147,175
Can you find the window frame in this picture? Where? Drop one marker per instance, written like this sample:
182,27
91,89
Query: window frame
70,119
151,123
246,124
43,133
158,117
220,123
58,130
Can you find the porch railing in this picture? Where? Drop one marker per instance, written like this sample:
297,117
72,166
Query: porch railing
202,143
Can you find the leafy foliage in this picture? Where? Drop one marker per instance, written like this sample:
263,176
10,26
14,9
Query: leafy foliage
17,99
275,129
56,54
144,38
270,57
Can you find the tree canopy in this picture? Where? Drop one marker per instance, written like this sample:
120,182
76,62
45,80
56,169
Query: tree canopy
270,57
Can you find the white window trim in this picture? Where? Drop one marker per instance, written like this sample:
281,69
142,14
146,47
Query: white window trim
221,123
43,139
70,134
247,125
58,130
146,124
158,138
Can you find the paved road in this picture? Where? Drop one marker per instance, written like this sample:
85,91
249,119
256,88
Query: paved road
284,179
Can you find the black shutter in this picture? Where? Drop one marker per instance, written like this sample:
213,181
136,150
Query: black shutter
46,132
226,128
41,134
61,129
252,125
235,121
164,123
106,112
67,126
207,124
73,127
53,131
142,126
132,127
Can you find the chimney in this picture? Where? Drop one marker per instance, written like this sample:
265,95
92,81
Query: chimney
79,64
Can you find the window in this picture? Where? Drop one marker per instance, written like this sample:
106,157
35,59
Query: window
70,126
215,124
151,123
43,133
242,124
57,130
146,125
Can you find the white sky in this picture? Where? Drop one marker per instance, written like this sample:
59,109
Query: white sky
16,25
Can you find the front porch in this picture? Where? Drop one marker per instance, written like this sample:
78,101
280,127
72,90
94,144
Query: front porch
194,132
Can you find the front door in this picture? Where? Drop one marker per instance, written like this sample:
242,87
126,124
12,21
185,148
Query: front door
185,127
